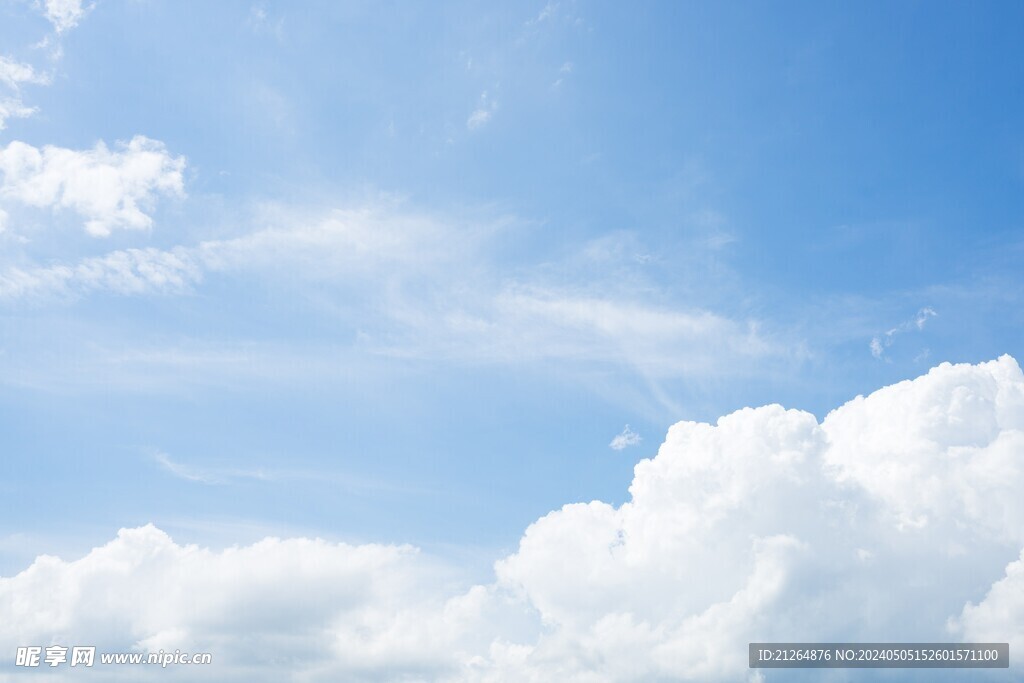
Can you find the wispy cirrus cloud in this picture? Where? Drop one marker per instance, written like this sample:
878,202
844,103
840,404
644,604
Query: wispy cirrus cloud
418,297
184,471
880,343
208,475
227,475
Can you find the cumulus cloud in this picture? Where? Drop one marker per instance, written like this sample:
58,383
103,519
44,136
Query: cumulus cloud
13,74
64,14
942,451
895,518
625,439
999,617
110,189
331,608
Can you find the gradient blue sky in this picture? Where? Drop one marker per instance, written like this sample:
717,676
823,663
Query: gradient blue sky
573,217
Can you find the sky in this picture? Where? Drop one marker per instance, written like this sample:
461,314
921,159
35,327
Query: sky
411,278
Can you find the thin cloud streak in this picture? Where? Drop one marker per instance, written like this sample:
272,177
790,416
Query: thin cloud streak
227,476
411,295
880,343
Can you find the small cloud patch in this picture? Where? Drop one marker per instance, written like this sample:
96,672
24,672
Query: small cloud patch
624,440
881,342
483,113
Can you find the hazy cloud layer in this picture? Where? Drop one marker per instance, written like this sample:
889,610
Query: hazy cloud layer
896,517
412,292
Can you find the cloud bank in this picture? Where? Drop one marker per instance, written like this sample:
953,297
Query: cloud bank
897,517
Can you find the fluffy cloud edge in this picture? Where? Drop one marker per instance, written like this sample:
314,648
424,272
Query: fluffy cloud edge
64,14
109,188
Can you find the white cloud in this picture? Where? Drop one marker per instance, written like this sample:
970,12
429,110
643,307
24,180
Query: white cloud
746,530
546,13
354,245
111,189
183,471
882,342
415,296
483,112
128,271
563,73
12,76
876,347
225,475
942,450
877,523
545,322
625,439
257,15
478,118
922,317
64,14
999,618
13,108
260,22
305,604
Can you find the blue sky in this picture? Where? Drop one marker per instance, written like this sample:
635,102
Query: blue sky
437,334
568,218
